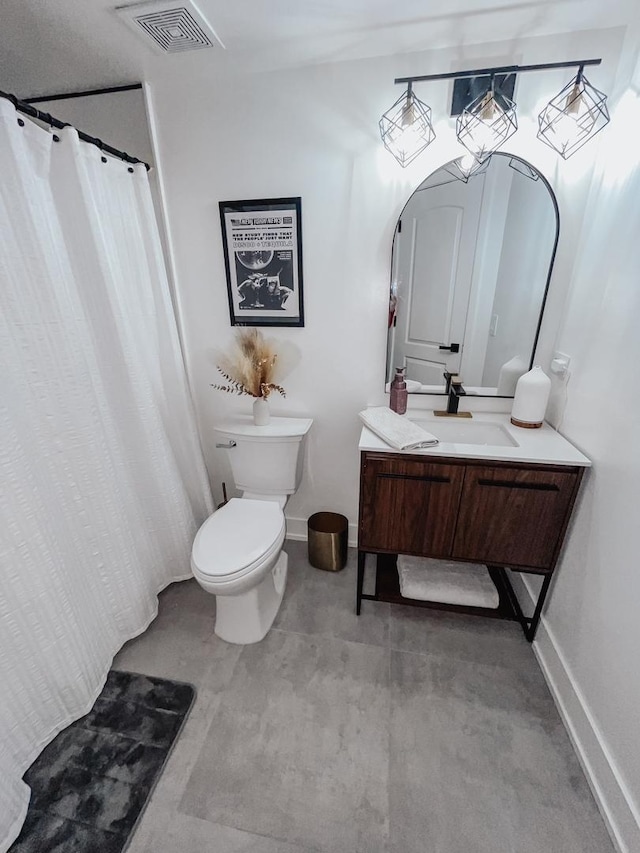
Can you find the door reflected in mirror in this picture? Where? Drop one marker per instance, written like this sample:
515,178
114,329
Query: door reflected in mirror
470,270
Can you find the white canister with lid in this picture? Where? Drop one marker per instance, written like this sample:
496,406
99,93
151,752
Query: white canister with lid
531,398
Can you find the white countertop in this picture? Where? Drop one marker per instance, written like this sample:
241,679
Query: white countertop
542,446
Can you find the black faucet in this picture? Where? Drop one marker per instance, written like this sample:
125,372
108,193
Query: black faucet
454,391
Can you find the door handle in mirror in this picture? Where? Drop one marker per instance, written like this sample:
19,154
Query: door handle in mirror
452,348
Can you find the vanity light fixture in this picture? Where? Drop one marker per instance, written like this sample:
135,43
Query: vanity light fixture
406,127
573,117
569,120
487,122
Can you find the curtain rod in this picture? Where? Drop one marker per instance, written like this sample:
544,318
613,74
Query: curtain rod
34,112
64,96
505,69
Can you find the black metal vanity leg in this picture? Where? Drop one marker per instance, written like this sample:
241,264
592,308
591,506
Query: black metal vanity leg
530,632
362,556
505,587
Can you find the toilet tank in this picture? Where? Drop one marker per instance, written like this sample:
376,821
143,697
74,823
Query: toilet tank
266,459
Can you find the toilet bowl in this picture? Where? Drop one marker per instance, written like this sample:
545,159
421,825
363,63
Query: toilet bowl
237,555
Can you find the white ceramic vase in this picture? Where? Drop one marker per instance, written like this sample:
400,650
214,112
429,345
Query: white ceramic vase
261,414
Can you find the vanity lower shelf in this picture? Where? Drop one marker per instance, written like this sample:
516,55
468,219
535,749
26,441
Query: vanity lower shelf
387,588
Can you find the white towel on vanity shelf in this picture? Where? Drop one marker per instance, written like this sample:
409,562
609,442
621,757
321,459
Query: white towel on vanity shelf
426,579
396,430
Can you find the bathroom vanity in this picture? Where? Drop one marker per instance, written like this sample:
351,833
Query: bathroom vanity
488,493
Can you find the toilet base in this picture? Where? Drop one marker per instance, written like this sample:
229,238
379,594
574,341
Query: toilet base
247,617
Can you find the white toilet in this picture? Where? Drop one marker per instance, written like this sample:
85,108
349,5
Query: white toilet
237,553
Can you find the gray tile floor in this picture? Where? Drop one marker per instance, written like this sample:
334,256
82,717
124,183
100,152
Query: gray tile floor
399,731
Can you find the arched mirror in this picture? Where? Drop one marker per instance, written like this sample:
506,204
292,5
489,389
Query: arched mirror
470,271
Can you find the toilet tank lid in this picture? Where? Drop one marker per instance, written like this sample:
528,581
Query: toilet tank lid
237,535
277,428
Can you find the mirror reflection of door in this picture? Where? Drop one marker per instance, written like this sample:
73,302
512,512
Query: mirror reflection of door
471,265
436,244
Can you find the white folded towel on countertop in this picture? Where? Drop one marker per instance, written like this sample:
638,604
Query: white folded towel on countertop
396,430
425,579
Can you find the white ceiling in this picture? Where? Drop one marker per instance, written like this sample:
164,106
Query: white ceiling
51,46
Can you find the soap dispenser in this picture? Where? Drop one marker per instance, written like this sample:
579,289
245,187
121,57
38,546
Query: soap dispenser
398,392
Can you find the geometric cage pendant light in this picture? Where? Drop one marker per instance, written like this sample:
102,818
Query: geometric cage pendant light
573,117
568,121
487,122
406,128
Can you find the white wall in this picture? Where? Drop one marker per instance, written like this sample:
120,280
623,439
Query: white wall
590,639
313,132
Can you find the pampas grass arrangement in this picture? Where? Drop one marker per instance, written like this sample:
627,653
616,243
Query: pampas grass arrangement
250,368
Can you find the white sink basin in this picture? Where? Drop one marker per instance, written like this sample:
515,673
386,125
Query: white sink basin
467,431
487,435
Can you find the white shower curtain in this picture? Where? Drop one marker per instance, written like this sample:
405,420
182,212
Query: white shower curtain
103,482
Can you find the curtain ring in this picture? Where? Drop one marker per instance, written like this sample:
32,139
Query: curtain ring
21,122
56,138
104,159
130,169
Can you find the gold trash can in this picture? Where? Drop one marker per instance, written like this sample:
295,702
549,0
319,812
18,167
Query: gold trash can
327,539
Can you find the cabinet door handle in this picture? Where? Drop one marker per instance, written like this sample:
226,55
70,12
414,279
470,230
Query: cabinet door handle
425,479
511,484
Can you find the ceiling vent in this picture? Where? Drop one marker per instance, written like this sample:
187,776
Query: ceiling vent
174,27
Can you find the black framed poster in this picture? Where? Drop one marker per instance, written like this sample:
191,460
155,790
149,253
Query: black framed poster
262,241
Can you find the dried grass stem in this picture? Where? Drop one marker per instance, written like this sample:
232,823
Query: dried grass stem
250,367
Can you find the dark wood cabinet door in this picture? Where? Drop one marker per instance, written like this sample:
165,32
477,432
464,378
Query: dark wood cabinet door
514,516
408,505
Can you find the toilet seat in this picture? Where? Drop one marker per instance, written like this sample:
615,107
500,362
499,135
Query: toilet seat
238,539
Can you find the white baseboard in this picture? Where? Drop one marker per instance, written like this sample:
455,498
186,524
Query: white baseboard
613,797
297,529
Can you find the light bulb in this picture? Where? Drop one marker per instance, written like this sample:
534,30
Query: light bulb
406,128
485,124
466,163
